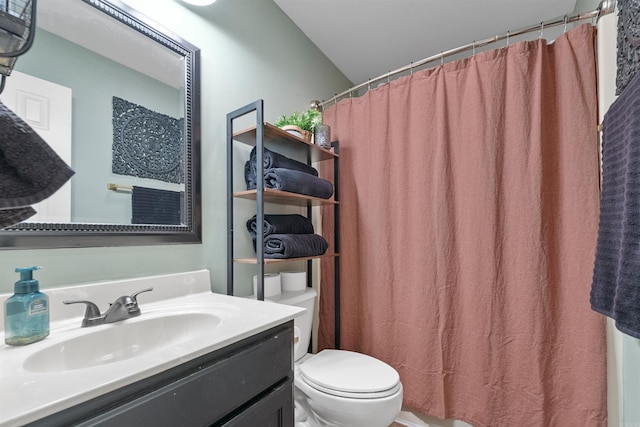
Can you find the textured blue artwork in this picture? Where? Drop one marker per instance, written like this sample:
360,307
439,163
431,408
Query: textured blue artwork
628,57
146,144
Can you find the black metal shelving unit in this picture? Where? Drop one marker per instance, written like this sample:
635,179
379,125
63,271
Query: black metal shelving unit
257,136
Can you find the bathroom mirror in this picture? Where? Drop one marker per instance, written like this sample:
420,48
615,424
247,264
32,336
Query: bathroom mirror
131,91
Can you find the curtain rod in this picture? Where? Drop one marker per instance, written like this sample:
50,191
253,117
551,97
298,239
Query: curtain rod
605,7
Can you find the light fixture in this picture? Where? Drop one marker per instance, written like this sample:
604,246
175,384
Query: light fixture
199,2
17,30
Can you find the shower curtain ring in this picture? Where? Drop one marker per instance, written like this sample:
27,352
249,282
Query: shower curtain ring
441,58
566,21
335,98
473,48
541,29
368,84
389,77
411,68
508,35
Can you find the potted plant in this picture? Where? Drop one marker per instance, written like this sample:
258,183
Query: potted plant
303,124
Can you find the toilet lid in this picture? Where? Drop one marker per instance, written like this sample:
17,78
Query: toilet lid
349,372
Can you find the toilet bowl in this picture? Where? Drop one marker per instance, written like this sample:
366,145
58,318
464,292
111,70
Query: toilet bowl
337,387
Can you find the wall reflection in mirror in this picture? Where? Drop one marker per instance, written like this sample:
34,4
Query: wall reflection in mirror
118,101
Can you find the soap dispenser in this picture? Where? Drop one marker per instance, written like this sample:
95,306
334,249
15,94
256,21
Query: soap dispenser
26,312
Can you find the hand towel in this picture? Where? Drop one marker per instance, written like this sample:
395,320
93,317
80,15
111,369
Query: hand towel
153,206
30,170
615,291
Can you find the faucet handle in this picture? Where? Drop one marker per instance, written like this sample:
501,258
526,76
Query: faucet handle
134,297
91,314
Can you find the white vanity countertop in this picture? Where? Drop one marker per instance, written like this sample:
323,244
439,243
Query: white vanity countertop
28,393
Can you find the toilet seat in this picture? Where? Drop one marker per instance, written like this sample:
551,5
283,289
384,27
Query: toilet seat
349,374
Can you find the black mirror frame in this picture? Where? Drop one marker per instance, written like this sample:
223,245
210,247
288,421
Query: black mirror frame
58,235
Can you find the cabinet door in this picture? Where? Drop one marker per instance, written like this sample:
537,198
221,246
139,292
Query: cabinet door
273,410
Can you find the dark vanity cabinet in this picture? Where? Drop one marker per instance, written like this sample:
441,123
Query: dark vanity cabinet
249,383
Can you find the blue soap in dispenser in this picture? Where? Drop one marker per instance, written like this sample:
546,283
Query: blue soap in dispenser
26,312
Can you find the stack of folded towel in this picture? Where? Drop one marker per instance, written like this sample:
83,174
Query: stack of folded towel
288,236
283,173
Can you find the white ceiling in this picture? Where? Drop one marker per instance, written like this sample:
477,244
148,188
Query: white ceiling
368,38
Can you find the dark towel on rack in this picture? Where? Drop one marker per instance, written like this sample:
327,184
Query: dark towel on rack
249,177
30,170
615,290
281,224
276,160
153,206
298,182
13,216
294,245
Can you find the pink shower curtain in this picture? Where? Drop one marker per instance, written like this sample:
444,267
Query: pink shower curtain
469,205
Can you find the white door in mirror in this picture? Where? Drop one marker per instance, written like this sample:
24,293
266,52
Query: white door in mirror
46,107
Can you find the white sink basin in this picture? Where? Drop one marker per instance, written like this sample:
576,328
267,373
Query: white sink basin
181,320
120,341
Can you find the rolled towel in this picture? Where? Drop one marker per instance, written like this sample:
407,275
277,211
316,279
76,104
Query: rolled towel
249,177
273,160
294,245
281,224
298,182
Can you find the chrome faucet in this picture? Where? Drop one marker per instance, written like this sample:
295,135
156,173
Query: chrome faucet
123,308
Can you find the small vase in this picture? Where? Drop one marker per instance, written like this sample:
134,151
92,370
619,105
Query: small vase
323,136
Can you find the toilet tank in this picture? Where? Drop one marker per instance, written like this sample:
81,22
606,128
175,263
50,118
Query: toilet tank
303,323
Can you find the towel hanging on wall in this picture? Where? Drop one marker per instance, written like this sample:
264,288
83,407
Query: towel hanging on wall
153,206
615,290
30,170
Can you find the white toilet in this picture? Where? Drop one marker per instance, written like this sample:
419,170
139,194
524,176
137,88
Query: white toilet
338,387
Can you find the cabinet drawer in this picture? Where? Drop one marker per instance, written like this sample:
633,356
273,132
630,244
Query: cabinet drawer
273,410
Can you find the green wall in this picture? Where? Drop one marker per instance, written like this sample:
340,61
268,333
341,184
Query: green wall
250,50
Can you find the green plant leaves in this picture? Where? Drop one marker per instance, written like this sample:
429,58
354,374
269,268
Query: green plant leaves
305,121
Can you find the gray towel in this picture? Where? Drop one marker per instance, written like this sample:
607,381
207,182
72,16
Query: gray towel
30,170
298,182
281,224
153,206
615,291
9,217
272,160
249,177
294,245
